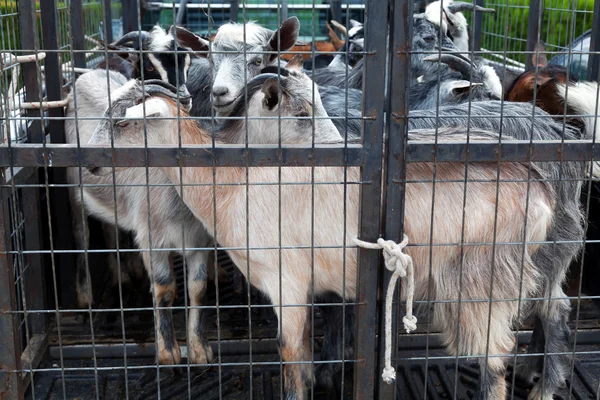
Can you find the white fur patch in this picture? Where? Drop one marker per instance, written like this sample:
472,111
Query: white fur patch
583,98
492,81
122,91
160,40
234,32
159,67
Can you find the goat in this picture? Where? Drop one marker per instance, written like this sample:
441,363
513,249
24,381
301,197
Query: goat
447,15
158,221
157,61
158,58
548,82
296,214
240,52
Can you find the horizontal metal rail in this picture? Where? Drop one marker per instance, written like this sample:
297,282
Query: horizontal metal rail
60,155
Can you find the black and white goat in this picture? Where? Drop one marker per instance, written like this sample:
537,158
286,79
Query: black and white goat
158,54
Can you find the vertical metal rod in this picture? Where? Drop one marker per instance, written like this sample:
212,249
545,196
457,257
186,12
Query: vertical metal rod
54,84
284,9
77,33
365,372
593,67
335,9
130,15
11,384
533,28
108,29
234,10
181,12
401,23
477,27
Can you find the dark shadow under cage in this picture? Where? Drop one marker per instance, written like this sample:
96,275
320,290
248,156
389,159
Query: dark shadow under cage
424,123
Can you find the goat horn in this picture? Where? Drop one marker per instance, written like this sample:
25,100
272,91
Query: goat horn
463,6
457,63
339,27
156,86
131,37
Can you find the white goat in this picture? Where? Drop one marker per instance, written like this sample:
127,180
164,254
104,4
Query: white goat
156,215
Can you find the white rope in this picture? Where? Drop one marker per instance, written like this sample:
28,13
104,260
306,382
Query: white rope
402,267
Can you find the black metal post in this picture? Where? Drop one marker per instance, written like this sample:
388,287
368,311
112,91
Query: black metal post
335,9
181,12
77,33
11,384
108,30
365,373
61,216
533,28
593,67
399,80
477,27
234,10
130,15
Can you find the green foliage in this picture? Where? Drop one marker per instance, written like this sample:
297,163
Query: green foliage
507,29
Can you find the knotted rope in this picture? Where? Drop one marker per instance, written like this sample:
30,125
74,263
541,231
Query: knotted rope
402,267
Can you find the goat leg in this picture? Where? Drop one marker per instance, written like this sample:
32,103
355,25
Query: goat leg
164,294
199,350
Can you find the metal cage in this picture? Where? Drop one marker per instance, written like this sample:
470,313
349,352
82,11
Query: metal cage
51,348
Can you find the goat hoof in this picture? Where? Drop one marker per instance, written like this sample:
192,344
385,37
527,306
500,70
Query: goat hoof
170,357
83,300
200,353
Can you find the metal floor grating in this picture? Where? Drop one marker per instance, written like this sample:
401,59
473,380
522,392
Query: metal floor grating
238,382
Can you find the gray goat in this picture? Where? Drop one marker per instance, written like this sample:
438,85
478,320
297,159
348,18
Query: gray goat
156,215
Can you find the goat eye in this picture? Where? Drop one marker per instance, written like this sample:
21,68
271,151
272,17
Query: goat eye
429,39
123,123
150,69
257,62
302,115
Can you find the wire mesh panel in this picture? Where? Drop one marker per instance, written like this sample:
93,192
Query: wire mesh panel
193,207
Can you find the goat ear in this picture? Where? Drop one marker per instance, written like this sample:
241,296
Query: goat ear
154,107
539,56
271,90
186,38
285,37
295,63
460,87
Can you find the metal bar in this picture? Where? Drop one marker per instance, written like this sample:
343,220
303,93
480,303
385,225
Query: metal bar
26,155
60,213
234,10
181,12
365,372
11,385
77,33
30,41
593,67
199,156
284,9
477,27
399,81
533,28
130,15
335,9
108,30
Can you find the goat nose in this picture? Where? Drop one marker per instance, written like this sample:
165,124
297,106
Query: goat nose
220,91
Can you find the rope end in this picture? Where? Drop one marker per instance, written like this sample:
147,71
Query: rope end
389,375
410,323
